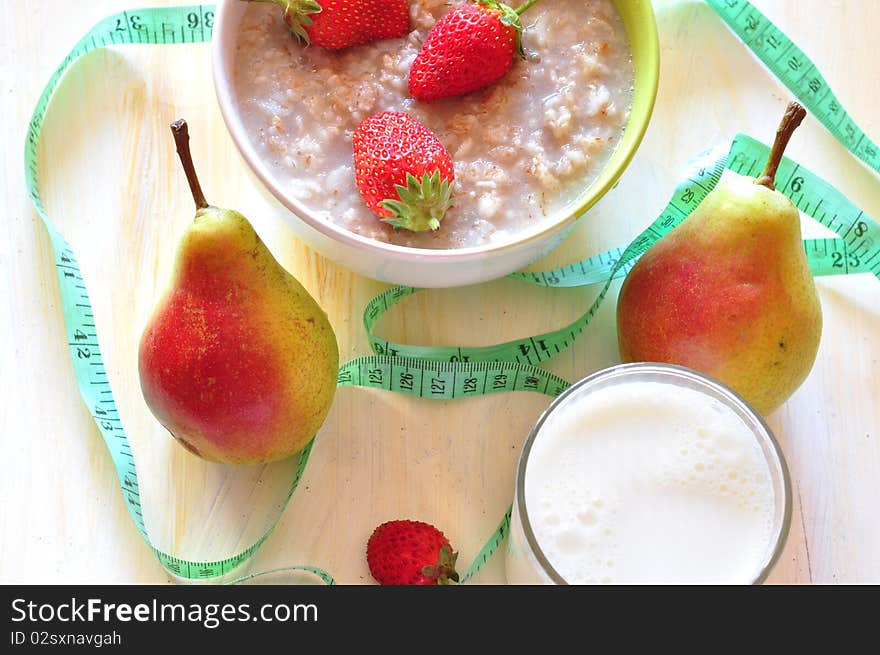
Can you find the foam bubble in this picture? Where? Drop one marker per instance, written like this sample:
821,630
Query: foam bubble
570,540
588,518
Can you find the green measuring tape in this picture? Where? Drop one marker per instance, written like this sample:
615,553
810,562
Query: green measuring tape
448,373
798,73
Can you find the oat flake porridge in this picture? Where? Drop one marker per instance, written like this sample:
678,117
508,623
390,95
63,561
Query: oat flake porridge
522,148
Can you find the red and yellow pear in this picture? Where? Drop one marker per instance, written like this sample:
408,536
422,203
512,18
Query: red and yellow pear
728,292
237,361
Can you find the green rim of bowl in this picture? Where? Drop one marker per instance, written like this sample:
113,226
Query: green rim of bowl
641,30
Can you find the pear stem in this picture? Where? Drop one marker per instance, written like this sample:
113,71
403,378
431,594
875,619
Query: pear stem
181,140
794,114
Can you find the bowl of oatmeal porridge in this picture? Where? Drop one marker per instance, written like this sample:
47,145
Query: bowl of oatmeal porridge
532,153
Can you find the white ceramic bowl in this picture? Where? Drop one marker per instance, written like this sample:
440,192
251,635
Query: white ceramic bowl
438,268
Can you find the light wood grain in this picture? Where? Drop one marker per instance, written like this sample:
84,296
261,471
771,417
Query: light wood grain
111,183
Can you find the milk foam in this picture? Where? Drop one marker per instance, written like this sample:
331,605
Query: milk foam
646,482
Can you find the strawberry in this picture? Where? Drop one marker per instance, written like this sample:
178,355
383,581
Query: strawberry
336,24
410,553
469,48
404,173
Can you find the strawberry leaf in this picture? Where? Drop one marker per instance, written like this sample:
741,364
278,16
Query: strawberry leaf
297,15
509,18
421,204
444,572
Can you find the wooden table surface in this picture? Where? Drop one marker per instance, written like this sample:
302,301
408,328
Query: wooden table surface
112,184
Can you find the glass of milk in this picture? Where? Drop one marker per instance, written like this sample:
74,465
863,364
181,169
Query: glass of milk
648,474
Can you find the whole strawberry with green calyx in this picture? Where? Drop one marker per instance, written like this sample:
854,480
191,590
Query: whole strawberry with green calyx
403,172
337,24
471,47
410,553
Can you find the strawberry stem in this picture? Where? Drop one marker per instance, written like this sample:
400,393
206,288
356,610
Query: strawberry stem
519,10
